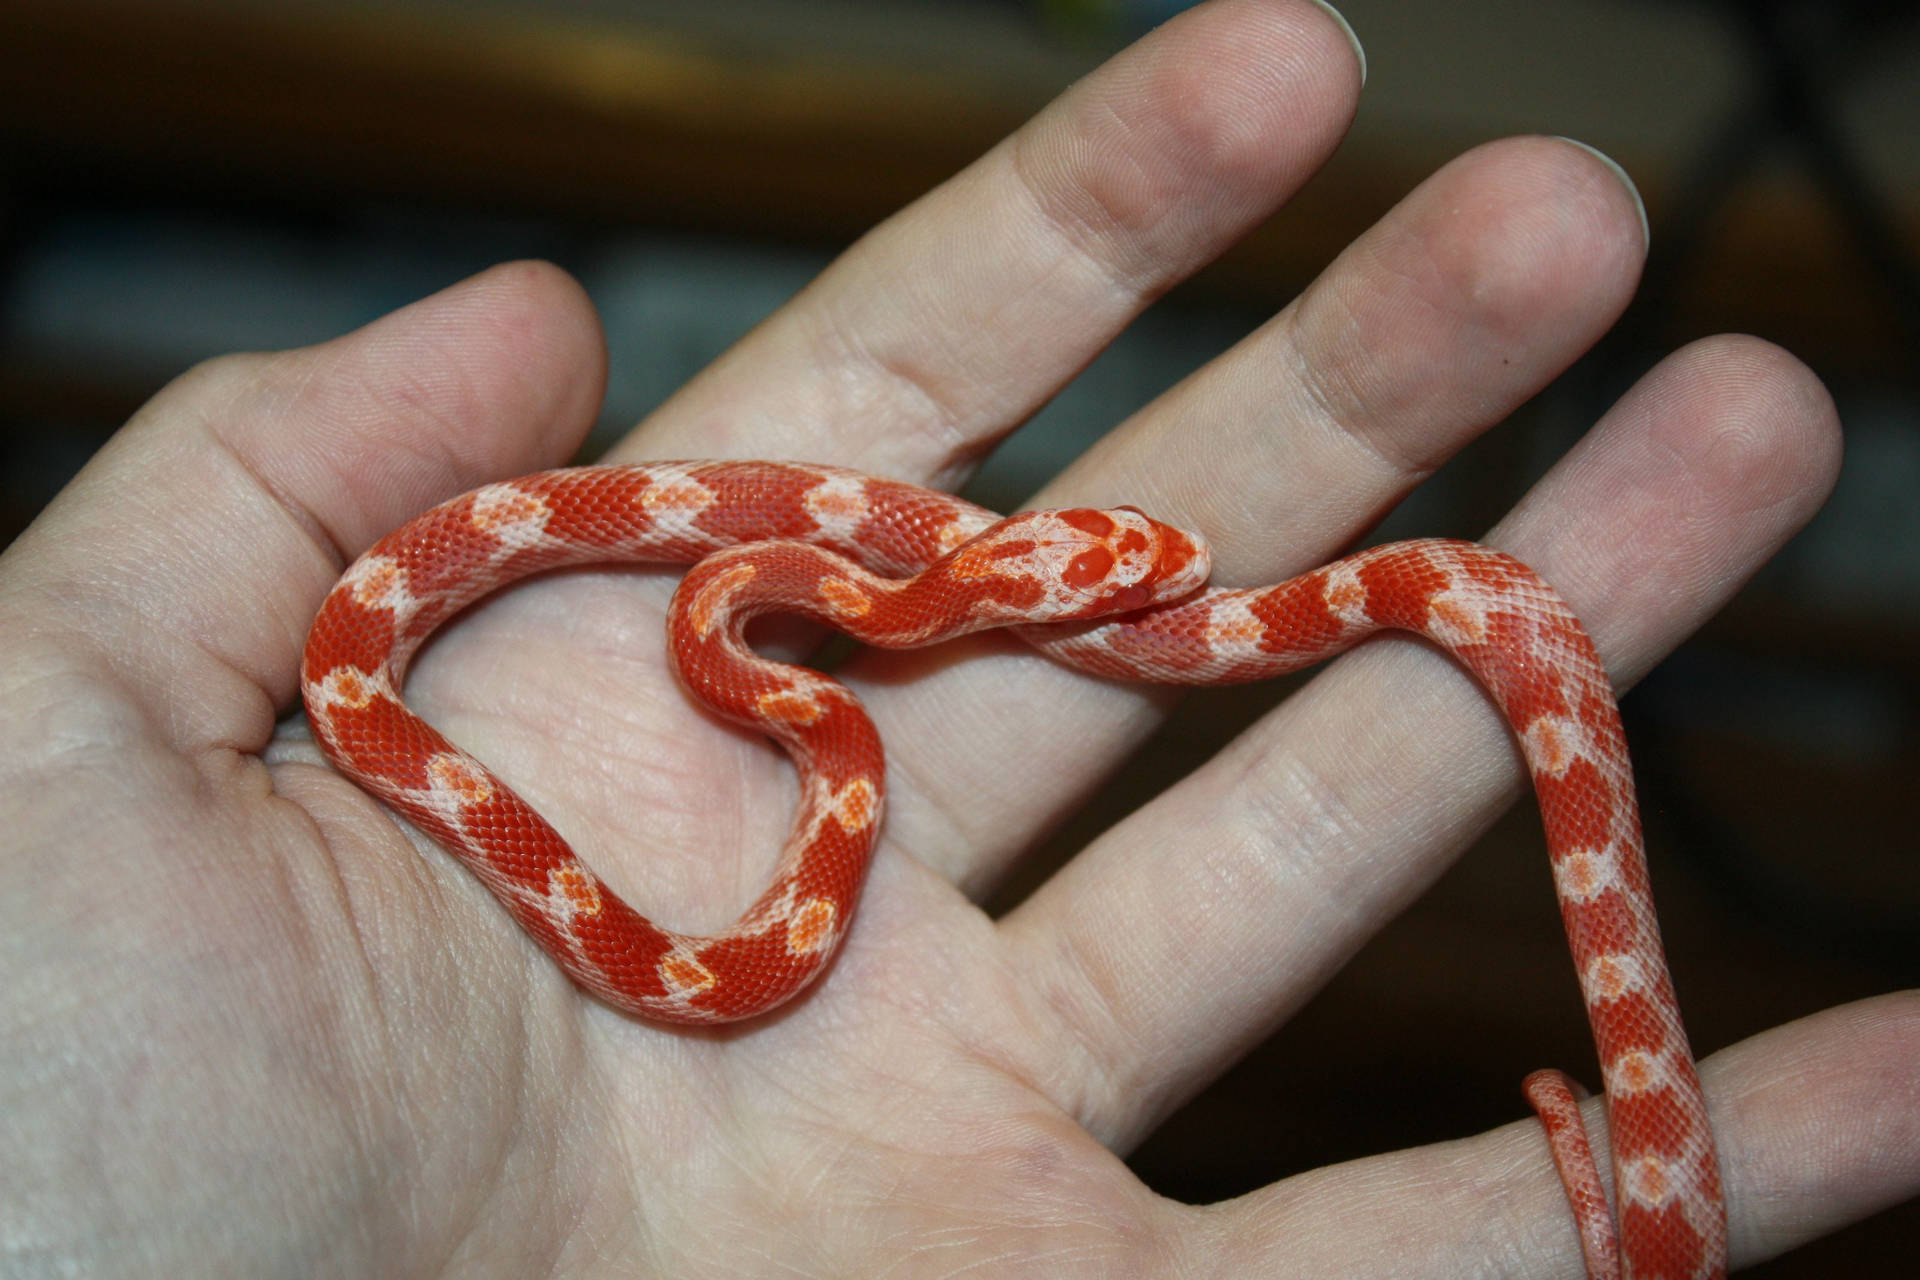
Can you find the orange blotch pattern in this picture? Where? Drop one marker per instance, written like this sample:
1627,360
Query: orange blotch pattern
459,778
790,706
845,597
684,975
811,927
579,888
855,805
377,585
504,507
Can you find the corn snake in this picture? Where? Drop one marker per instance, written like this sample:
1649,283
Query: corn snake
1114,594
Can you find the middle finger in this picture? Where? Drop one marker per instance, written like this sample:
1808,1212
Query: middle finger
1464,301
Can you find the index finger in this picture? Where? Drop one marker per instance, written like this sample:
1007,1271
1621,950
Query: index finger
953,321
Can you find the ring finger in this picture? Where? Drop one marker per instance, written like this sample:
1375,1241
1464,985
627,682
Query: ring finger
1192,927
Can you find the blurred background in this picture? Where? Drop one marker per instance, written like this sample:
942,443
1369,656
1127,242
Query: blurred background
183,179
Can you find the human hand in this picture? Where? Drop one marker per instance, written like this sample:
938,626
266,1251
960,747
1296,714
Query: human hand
251,1028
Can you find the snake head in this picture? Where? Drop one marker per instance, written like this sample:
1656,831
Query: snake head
1069,565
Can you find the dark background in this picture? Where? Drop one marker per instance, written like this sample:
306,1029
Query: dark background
183,179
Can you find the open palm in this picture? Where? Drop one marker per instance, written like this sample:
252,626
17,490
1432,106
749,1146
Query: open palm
250,1027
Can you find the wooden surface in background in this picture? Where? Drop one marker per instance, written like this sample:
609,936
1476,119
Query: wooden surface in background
589,117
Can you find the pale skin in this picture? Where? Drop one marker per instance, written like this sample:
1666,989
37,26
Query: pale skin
249,1027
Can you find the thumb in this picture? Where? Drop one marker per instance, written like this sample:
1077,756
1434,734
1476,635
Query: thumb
187,559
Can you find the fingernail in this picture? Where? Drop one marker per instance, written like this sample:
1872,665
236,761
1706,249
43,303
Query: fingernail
1353,39
1646,232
